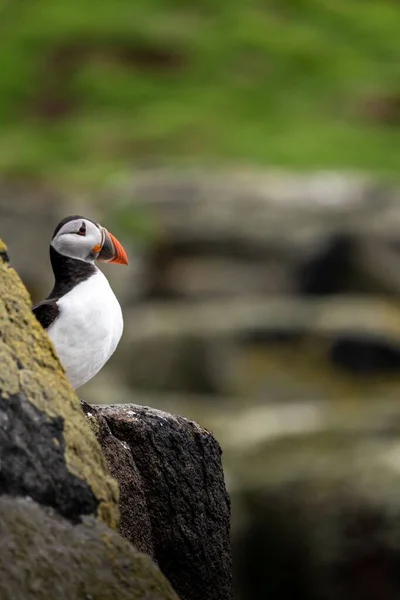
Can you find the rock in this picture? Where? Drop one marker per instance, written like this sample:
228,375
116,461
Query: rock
172,488
279,348
48,451
323,507
377,257
253,206
44,556
182,364
330,270
135,524
55,486
195,269
314,489
244,232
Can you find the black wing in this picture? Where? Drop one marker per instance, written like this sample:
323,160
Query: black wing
46,312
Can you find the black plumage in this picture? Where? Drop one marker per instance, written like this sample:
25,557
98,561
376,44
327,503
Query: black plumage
46,312
68,272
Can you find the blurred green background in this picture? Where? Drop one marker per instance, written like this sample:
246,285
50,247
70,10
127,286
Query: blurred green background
247,155
91,87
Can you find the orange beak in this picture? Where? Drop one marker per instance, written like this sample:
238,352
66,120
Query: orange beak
111,250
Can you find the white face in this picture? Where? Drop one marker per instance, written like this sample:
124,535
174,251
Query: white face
77,239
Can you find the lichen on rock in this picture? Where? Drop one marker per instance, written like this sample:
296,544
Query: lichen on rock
35,391
44,556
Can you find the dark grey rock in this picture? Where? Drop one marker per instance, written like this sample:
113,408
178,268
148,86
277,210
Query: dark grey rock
44,556
33,460
320,513
135,523
182,481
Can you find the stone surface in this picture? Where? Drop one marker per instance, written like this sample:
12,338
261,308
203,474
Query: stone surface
220,232
322,506
135,524
48,450
44,556
238,232
271,348
173,477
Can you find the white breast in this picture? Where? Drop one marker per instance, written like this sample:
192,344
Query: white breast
88,328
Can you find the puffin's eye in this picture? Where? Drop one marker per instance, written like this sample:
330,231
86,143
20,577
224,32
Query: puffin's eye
82,229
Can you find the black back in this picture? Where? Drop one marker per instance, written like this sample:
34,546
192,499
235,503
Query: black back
46,312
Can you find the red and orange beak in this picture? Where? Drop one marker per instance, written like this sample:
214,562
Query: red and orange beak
110,250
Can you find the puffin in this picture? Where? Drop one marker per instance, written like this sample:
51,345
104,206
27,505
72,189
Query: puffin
82,315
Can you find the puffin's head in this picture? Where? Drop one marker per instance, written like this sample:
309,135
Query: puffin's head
80,238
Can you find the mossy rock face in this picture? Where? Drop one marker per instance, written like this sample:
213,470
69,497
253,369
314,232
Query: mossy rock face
49,452
44,556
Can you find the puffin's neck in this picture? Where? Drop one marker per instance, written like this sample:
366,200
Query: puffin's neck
68,272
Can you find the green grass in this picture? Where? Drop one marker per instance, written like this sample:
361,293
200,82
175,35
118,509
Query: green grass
259,82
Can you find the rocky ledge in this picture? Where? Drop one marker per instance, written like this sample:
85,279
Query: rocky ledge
174,504
155,477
